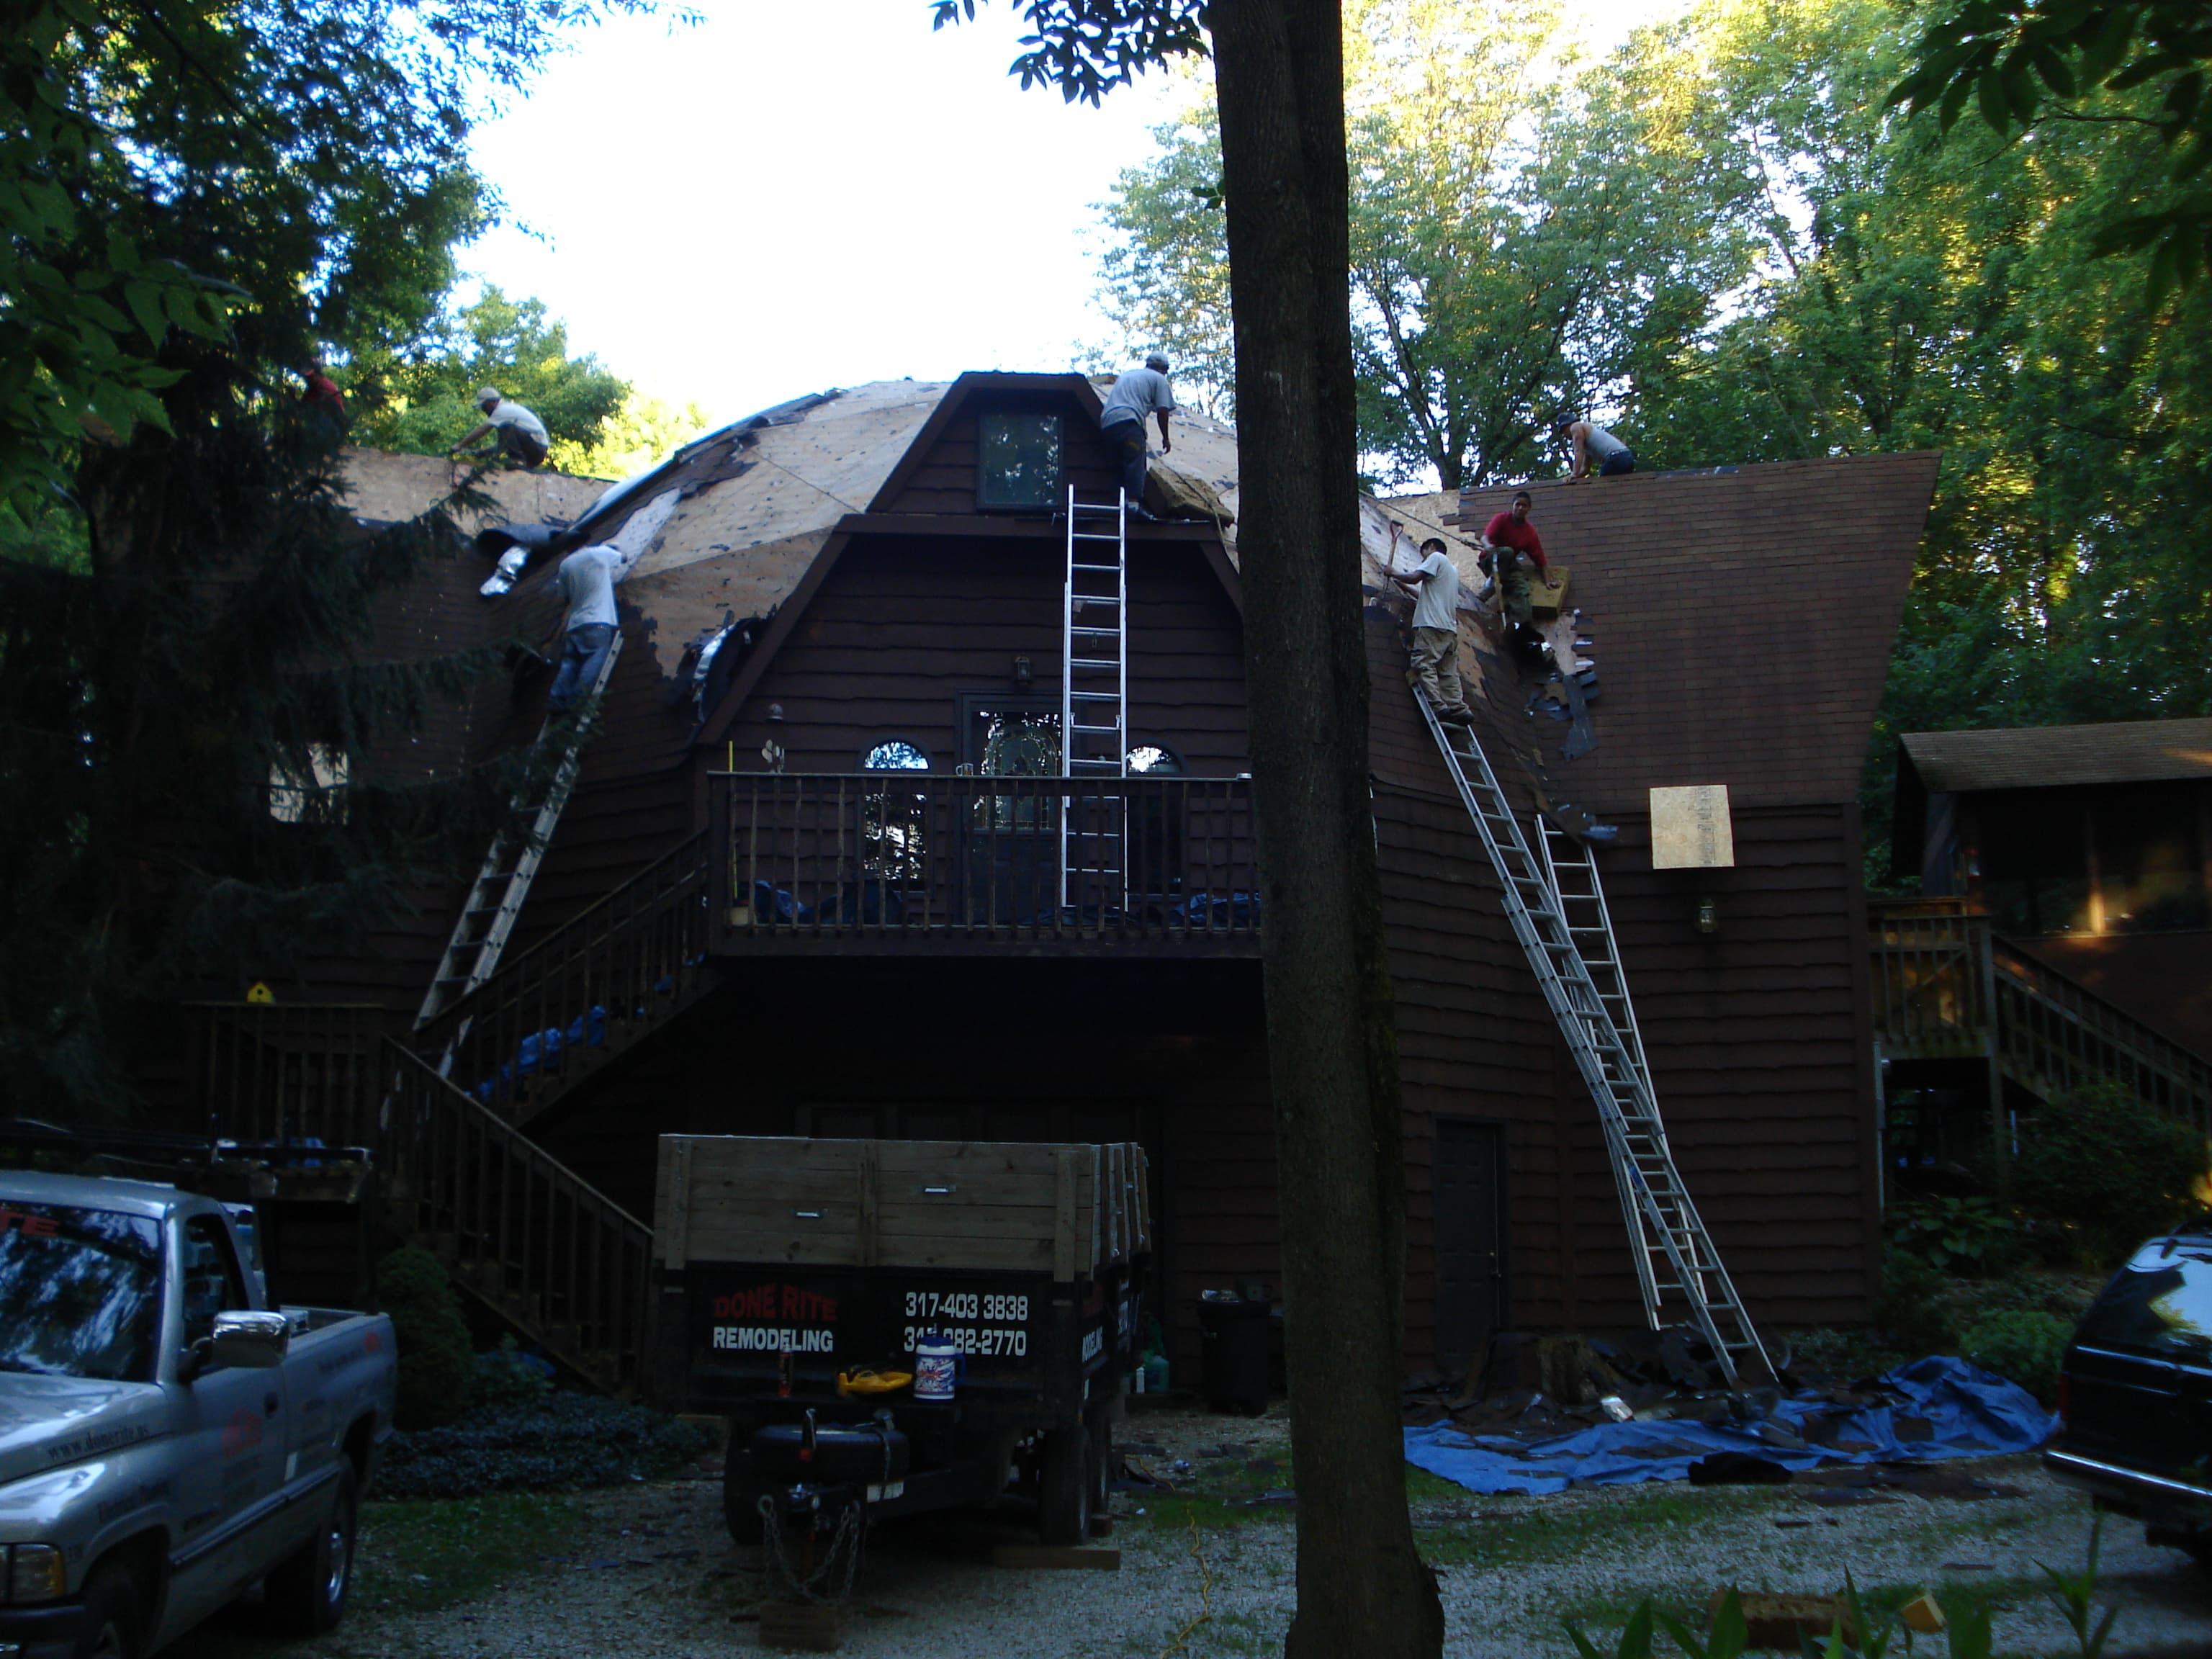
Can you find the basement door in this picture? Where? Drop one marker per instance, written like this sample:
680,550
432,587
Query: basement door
1470,1222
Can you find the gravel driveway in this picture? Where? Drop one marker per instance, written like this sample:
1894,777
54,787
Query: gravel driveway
653,1576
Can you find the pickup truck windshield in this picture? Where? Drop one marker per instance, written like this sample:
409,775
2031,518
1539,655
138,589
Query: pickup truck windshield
80,1293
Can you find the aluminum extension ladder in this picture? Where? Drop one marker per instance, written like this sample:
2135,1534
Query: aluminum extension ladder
495,901
1094,689
1577,964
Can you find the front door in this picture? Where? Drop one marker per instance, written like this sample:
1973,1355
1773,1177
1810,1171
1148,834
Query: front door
1470,1221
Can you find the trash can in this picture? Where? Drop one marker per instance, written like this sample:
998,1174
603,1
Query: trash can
1232,1335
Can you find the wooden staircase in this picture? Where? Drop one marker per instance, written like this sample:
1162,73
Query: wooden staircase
554,1015
2054,1036
560,1262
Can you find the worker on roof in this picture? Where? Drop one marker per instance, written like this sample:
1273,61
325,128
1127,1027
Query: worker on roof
322,396
1590,446
1434,583
522,435
1510,548
586,581
1137,393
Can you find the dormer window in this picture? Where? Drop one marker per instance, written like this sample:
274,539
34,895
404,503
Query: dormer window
1018,461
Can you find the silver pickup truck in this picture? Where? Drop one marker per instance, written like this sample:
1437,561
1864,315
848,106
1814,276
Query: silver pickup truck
166,1441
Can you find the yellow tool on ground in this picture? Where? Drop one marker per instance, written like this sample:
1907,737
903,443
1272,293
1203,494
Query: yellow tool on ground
865,1381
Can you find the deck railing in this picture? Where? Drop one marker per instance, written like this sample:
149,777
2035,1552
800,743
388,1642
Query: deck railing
2055,1036
581,994
303,1074
1931,979
514,1225
856,859
1945,987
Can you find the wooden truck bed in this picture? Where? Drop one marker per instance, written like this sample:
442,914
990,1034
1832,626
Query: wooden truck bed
986,1206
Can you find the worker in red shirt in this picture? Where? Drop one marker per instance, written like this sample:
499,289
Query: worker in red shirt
1510,548
322,394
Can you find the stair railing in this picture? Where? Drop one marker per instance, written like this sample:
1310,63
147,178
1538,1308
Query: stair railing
2055,1036
601,979
514,1226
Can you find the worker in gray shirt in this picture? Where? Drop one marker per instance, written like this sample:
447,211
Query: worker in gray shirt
1139,392
1590,448
586,581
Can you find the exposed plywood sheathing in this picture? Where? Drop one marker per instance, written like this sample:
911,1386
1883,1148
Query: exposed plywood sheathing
386,487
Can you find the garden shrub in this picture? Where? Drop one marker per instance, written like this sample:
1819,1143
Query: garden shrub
1910,1310
1964,1236
559,1440
437,1361
2114,1170
508,1377
2023,1345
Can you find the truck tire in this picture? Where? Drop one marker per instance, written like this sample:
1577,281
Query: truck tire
741,1494
115,1621
1064,1485
307,1591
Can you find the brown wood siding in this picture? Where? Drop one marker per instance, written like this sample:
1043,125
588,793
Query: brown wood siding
943,481
1755,1035
902,628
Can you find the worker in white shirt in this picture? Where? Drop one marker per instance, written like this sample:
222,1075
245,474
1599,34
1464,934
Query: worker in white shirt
521,434
1434,582
586,581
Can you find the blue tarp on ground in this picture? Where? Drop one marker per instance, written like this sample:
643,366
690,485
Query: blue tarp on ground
1943,1408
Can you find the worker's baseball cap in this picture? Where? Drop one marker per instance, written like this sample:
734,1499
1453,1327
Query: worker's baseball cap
1158,360
489,394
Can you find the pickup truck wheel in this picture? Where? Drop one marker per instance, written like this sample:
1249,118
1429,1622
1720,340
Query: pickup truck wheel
1064,1483
307,1593
115,1623
741,1495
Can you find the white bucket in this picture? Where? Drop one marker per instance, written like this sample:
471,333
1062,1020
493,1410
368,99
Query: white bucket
936,1368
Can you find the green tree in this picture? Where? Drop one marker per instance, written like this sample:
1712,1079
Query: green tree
1524,244
422,401
2008,58
641,435
1943,294
1279,78
194,199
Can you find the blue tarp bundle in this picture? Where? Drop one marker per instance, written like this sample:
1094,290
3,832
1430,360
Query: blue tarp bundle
1942,1408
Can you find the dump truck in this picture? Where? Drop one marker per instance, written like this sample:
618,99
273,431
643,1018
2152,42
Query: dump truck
892,1327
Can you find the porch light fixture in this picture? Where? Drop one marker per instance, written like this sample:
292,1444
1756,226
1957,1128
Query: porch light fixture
775,711
1709,914
1024,672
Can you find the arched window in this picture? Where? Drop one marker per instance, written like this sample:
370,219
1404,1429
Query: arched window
891,820
1151,760
895,754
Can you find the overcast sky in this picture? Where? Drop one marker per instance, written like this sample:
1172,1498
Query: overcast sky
791,196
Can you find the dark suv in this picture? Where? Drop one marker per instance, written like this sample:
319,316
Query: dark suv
2134,1394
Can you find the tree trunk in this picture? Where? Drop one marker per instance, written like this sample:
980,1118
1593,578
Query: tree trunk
1332,1050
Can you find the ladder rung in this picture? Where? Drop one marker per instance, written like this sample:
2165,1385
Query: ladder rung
1095,662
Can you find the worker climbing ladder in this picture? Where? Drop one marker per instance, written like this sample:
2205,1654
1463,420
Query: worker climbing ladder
494,902
1577,964
1094,689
